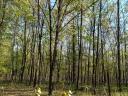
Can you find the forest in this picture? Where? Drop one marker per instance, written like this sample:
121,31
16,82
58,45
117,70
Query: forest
63,47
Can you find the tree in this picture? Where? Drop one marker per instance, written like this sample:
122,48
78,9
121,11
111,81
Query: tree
118,45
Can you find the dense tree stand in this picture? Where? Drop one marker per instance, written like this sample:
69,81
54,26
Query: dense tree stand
64,47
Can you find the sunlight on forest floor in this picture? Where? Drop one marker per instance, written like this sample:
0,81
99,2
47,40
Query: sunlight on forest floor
23,90
58,93
30,92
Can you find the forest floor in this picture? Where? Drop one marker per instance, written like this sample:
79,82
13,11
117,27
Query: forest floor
21,90
31,92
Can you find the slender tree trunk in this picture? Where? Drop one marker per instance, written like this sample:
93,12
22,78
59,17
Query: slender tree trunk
94,65
50,49
125,58
108,83
32,52
32,60
89,50
59,63
24,53
118,46
13,60
80,47
58,25
73,59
